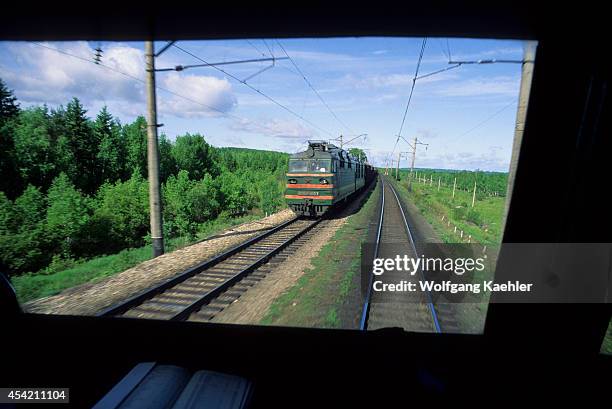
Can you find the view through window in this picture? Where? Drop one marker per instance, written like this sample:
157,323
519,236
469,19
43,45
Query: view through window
419,129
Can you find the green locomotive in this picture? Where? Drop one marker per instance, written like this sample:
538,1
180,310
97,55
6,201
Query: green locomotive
322,176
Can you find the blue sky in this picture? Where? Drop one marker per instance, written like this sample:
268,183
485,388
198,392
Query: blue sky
365,81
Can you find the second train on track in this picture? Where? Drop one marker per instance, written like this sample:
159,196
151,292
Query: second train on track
323,176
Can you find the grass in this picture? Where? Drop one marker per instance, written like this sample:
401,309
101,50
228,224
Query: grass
433,204
483,222
321,297
66,274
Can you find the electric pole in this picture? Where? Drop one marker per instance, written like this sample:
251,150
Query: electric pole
399,156
155,204
413,146
529,53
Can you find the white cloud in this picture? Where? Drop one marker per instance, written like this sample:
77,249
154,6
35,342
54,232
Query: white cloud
403,81
208,96
47,76
43,75
465,160
500,85
277,128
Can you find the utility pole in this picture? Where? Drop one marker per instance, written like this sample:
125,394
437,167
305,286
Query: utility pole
413,146
529,53
399,156
341,139
155,204
413,156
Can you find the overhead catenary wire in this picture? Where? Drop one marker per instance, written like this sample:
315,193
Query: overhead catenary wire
256,49
255,89
499,111
268,47
223,113
416,74
414,79
314,89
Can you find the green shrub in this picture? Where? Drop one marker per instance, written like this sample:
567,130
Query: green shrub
121,218
474,216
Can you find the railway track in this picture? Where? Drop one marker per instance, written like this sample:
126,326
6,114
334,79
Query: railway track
412,311
202,291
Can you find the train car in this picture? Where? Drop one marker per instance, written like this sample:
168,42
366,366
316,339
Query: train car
323,176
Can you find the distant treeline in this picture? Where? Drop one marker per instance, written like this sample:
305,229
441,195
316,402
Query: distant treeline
488,183
74,187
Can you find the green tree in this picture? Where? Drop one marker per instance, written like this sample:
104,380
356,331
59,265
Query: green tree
205,199
188,203
62,152
7,217
122,213
135,139
22,247
235,197
271,195
358,153
11,182
29,208
111,154
167,163
177,207
67,215
84,146
33,147
9,108
193,154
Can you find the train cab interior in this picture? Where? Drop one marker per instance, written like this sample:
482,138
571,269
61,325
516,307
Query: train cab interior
528,352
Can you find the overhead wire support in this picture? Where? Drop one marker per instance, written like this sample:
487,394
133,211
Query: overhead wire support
256,90
489,61
184,67
164,48
439,71
314,89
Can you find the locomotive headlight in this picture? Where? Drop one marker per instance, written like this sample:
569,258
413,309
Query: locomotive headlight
323,181
292,181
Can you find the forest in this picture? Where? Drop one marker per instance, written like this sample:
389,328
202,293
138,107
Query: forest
488,183
74,187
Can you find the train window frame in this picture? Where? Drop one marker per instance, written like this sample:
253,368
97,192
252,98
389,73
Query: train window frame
513,30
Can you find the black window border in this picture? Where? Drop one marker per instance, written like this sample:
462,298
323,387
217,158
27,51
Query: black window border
566,127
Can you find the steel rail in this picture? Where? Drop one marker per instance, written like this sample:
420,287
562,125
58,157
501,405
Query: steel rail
432,309
363,323
215,292
138,299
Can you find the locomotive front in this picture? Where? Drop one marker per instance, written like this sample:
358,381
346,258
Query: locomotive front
310,181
